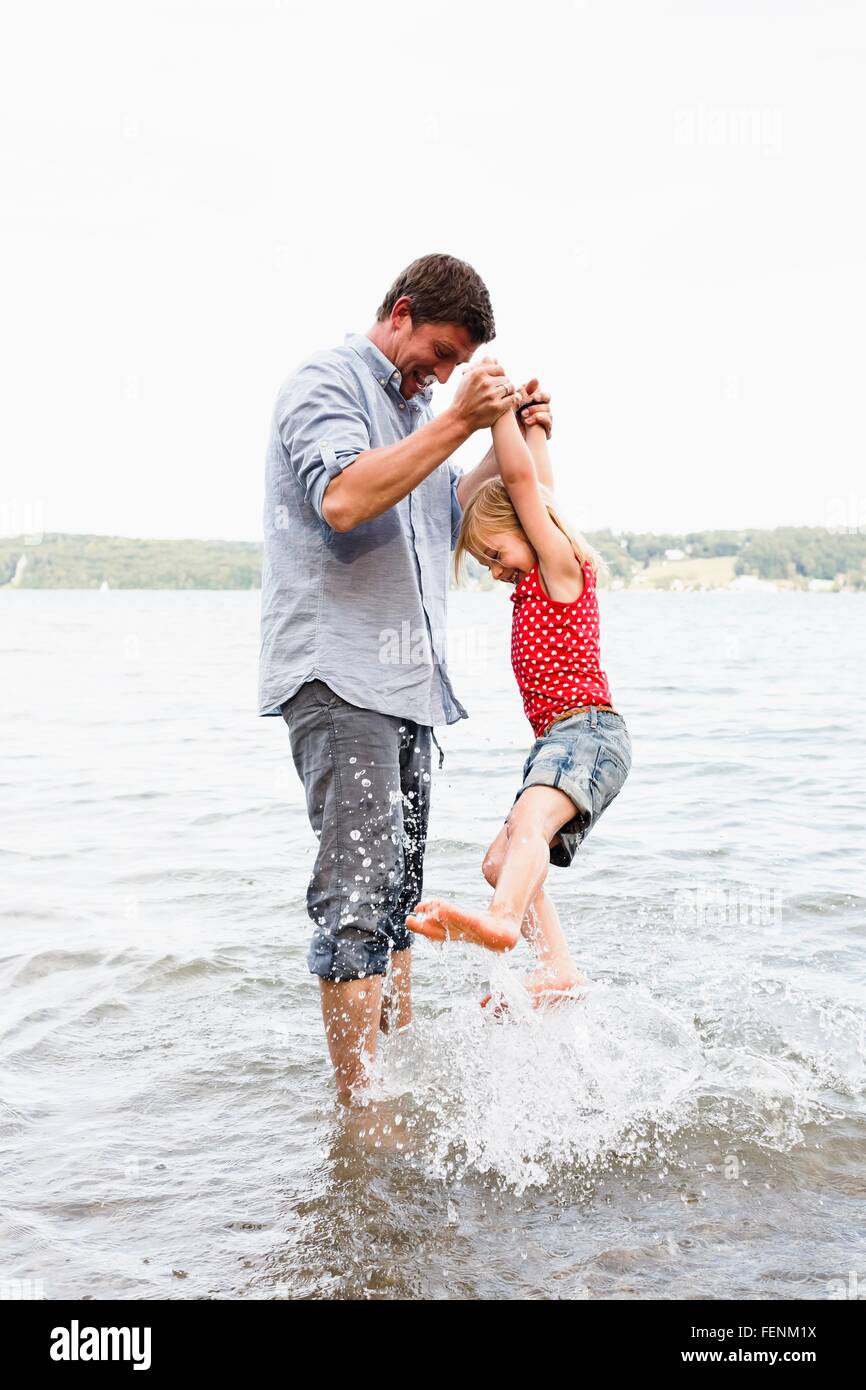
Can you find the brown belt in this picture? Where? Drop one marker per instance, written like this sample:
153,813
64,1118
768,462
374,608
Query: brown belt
578,709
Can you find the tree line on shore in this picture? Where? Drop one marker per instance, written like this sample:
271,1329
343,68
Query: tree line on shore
788,554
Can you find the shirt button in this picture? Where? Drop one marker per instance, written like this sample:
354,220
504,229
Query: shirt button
402,407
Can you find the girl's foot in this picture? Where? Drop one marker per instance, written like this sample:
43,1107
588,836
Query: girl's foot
442,921
544,988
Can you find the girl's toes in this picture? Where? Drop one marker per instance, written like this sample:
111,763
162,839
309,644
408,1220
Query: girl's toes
421,927
495,1006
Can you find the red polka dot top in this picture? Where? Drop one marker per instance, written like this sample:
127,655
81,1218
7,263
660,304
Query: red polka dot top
555,650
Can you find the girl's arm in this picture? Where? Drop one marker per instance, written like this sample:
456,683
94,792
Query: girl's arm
470,482
536,442
560,568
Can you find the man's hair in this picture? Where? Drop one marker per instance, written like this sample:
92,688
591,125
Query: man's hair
443,290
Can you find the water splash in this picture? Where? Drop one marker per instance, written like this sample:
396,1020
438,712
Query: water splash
620,1078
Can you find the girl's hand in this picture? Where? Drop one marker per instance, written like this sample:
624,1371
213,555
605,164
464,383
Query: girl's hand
539,413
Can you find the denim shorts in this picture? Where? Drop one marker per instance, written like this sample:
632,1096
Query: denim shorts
367,781
588,757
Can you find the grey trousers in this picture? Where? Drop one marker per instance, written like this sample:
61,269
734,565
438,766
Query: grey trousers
367,781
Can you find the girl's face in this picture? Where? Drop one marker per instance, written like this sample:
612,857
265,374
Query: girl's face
508,555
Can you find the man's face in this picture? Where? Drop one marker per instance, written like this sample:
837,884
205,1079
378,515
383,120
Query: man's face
431,351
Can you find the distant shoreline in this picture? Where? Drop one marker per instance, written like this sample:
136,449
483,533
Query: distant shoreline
788,558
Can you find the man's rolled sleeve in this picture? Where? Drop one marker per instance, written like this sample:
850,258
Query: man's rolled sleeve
456,509
323,427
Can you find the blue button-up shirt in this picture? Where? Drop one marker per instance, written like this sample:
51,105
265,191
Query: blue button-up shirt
362,610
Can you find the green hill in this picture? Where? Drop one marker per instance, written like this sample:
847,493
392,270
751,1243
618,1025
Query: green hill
87,562
795,557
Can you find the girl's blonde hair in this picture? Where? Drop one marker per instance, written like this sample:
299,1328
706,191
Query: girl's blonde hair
491,509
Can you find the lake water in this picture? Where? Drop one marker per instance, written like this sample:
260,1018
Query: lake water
695,1128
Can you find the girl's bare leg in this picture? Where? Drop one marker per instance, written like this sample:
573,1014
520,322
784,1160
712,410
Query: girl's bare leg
540,927
534,821
556,971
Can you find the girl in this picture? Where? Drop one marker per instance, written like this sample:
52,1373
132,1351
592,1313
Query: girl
582,750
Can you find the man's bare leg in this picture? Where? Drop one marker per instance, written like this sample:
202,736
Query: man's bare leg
351,1010
397,994
537,817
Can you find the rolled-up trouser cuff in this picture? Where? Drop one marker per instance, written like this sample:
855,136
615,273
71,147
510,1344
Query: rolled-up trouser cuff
353,953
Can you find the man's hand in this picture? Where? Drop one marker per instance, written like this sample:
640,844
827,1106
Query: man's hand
483,395
539,412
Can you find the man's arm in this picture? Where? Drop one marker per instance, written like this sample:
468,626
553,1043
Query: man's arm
379,478
479,475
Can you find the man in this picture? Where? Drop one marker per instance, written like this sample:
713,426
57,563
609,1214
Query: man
361,512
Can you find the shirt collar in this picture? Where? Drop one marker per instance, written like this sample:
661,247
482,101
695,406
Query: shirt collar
384,370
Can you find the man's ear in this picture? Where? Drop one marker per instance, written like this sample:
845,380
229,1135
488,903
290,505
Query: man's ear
402,311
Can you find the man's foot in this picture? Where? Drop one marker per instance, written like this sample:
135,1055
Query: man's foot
441,921
544,989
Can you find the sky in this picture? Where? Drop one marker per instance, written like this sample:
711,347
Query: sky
665,200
